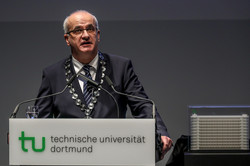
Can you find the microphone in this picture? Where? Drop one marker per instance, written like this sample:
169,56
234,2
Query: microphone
97,85
128,95
89,81
13,115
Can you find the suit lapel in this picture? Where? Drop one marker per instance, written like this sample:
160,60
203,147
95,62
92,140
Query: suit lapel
99,69
98,72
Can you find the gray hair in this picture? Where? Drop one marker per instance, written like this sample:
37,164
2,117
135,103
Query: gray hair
65,23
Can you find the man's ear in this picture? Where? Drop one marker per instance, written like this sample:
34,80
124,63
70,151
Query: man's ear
99,35
66,37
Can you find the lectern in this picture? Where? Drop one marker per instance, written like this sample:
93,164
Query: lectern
82,142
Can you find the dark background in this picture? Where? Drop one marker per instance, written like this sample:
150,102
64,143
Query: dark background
185,52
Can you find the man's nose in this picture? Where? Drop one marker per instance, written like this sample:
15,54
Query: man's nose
85,34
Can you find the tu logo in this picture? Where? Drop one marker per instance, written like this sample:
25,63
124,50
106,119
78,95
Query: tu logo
23,139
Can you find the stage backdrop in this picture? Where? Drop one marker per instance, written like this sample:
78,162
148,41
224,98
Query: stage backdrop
183,57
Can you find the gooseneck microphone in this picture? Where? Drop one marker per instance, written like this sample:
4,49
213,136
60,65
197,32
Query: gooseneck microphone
158,143
97,85
128,95
13,115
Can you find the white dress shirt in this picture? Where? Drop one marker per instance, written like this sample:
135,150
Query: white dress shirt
78,65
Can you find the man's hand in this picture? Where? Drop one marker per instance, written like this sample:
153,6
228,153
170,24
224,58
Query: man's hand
167,144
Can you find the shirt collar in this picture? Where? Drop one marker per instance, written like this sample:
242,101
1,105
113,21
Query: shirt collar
78,65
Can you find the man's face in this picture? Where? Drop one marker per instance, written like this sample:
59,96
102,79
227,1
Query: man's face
83,37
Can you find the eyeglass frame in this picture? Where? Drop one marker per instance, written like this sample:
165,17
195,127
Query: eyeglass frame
90,27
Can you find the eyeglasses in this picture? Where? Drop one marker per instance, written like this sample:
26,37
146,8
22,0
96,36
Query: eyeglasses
79,31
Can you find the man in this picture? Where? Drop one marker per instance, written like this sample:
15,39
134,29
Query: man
82,34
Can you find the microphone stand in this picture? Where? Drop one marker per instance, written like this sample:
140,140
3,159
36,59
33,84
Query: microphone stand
158,142
137,97
13,115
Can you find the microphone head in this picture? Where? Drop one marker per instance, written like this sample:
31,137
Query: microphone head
109,81
90,81
73,77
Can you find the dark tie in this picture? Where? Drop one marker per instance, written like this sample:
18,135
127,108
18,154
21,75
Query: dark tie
87,90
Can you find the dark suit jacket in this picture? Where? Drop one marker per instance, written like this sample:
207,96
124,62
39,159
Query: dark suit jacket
119,70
